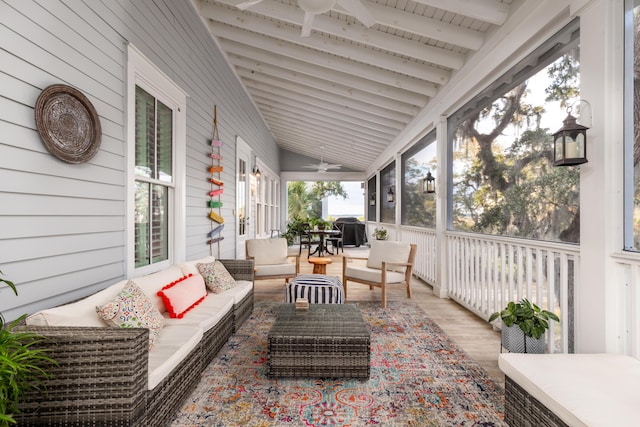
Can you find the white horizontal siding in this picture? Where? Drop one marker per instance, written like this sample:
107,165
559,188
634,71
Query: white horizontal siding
63,226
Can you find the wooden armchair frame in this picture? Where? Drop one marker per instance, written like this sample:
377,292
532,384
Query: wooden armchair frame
286,277
383,274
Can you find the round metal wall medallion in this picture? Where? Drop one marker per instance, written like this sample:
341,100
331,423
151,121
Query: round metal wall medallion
68,124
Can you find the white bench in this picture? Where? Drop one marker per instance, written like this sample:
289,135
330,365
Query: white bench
571,389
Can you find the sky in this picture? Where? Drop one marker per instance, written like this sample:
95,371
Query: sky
353,205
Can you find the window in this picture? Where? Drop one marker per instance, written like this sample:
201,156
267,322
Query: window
418,208
372,202
154,178
504,182
632,127
387,197
156,133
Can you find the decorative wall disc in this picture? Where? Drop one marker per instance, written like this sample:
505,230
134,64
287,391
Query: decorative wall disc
68,124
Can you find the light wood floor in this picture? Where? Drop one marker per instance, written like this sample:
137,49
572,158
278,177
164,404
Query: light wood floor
474,335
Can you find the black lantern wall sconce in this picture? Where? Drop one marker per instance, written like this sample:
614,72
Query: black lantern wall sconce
428,184
390,195
570,142
372,199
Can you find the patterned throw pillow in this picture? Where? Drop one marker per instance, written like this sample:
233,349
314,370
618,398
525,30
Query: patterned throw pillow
183,295
132,309
216,277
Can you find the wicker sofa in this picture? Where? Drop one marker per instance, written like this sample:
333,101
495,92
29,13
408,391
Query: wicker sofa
577,390
108,375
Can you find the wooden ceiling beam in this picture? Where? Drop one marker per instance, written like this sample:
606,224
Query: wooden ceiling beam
228,35
222,15
491,11
338,100
258,59
293,99
312,83
360,34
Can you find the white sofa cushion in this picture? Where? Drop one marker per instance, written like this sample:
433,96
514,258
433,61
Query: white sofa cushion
152,283
238,292
581,389
191,267
274,269
373,274
382,250
206,314
174,343
79,313
268,251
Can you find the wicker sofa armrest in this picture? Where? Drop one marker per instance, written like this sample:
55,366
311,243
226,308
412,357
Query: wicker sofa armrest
101,375
240,269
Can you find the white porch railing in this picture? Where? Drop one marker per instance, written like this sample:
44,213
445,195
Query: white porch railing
486,272
426,263
627,303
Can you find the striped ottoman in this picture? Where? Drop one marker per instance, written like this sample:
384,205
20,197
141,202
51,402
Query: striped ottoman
316,288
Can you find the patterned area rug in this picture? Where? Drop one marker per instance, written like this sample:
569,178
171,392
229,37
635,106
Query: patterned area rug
419,377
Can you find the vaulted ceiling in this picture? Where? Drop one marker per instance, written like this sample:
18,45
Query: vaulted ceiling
347,87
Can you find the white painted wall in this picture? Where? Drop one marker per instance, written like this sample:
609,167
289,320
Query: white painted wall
62,226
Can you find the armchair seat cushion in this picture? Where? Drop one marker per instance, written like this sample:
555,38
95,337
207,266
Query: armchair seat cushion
275,269
373,274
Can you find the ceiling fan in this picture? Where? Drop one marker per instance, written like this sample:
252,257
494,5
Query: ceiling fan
323,166
312,8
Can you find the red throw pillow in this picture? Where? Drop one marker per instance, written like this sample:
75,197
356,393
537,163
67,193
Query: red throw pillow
183,295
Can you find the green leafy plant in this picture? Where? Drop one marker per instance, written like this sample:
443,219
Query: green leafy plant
22,365
531,319
294,228
380,233
320,223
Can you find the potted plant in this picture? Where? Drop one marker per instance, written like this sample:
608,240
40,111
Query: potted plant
21,364
294,227
523,326
380,233
319,223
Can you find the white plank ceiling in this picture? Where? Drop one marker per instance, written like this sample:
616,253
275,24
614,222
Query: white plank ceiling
348,87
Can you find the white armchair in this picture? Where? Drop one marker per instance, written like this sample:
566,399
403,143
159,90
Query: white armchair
388,263
271,259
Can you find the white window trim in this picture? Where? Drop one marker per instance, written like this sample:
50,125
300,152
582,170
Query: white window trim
142,72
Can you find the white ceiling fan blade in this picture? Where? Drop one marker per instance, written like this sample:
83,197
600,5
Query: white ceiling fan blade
356,9
247,4
307,24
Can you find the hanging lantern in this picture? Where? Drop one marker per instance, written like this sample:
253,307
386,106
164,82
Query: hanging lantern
390,195
428,184
570,143
372,200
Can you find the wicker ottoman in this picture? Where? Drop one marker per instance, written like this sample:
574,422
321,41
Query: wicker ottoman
316,288
325,341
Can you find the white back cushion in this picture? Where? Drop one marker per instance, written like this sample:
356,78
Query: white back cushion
384,250
153,282
79,313
268,251
191,267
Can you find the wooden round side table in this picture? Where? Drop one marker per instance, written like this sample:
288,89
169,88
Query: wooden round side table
319,264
